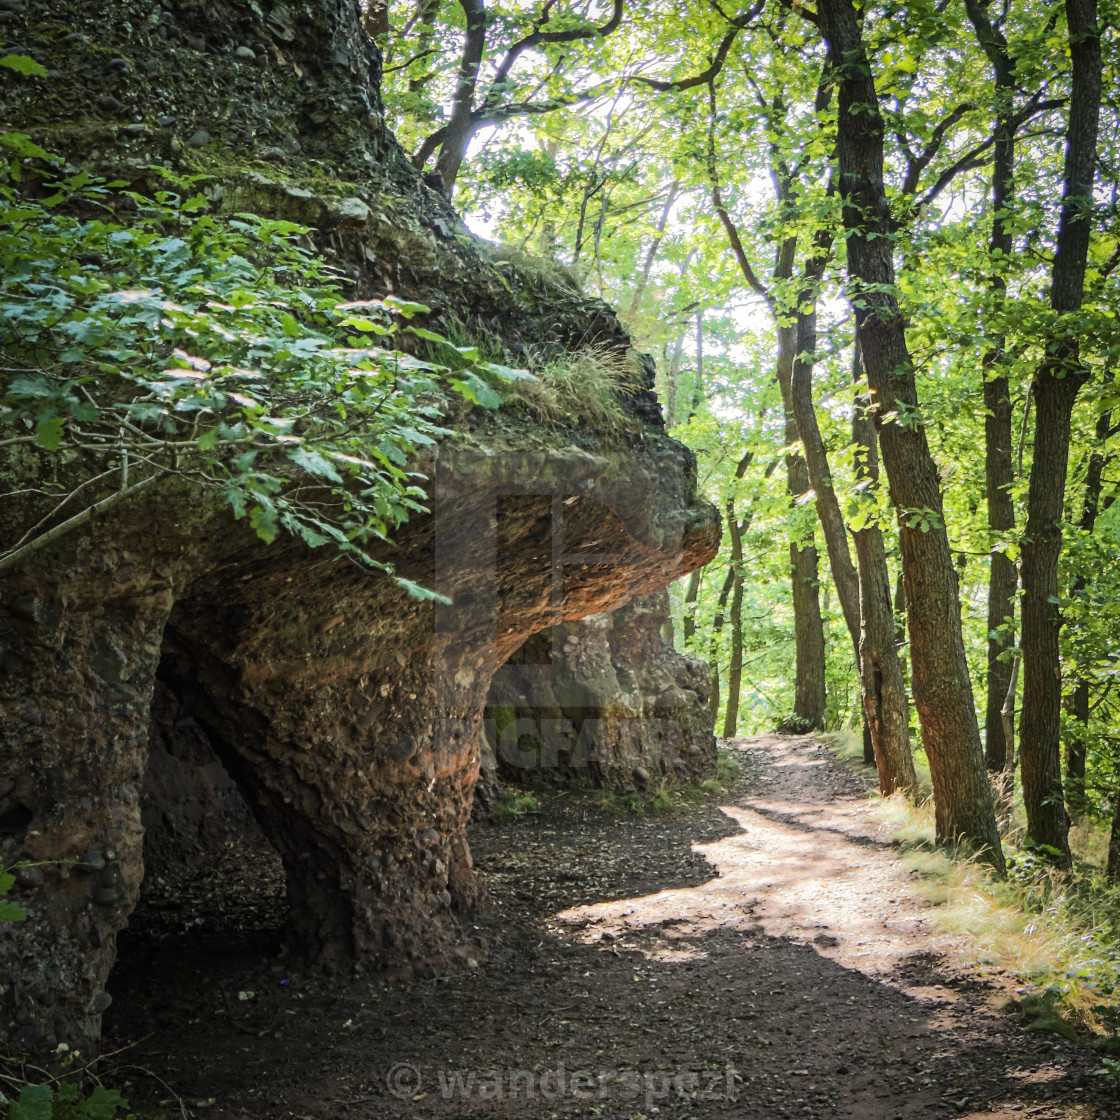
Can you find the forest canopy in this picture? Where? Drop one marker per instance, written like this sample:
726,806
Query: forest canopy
873,247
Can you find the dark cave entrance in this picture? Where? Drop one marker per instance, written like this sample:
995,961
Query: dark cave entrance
214,891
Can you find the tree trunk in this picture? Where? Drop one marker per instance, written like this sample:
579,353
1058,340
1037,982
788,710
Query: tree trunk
882,683
999,465
808,626
735,665
1113,871
942,688
460,128
714,640
844,575
690,598
1079,701
651,253
1056,384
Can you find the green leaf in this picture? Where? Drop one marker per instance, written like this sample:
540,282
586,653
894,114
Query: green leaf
406,308
265,523
11,911
506,373
103,1104
418,591
34,1103
476,390
314,463
431,336
48,433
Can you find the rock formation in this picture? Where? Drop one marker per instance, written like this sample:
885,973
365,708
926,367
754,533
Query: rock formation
605,701
347,713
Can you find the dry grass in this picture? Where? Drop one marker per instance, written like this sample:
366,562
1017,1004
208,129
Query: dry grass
587,386
1059,935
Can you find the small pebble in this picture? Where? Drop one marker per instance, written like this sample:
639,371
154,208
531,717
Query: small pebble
90,862
166,120
245,53
109,103
200,139
29,877
196,42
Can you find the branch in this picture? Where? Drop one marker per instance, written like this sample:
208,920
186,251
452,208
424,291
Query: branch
707,76
537,37
918,164
798,9
756,285
457,132
12,558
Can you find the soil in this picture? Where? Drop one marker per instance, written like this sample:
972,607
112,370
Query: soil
762,955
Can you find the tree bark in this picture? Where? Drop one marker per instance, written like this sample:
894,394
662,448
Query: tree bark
735,664
714,640
690,597
942,688
1056,385
882,682
999,464
460,127
844,575
808,626
1079,700
1113,869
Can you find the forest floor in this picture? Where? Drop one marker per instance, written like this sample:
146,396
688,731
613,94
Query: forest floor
763,955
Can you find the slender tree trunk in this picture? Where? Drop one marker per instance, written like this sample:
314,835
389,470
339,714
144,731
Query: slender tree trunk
882,682
717,629
844,574
1079,701
460,128
690,596
651,253
942,688
1113,871
1056,384
735,664
999,465
808,626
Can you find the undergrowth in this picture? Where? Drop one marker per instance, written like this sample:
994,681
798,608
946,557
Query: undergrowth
670,797
1058,933
664,798
587,386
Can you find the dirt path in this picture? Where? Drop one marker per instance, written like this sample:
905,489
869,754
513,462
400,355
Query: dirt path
758,958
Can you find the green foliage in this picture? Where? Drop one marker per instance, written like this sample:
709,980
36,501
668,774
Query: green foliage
513,805
146,337
9,910
66,1102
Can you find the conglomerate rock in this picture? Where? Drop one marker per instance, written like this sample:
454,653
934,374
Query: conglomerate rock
605,701
347,713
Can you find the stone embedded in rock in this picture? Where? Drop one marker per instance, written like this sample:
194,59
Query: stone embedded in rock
199,139
605,699
352,210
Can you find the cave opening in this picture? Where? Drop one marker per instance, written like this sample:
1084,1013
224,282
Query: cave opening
214,887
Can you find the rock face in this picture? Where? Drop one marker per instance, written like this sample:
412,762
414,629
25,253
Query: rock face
347,713
605,701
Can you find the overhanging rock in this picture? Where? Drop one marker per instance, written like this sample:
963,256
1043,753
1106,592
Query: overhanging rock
604,701
347,713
